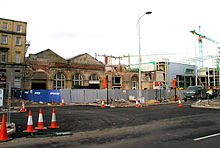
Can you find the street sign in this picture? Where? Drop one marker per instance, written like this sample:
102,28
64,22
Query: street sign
1,97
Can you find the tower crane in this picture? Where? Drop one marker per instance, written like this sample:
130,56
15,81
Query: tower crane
200,37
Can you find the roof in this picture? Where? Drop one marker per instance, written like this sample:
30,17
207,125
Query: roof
12,20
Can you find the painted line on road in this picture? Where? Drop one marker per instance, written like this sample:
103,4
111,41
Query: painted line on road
206,137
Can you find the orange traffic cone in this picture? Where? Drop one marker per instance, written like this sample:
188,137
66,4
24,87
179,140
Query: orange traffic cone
53,123
3,133
62,101
23,107
40,124
103,104
52,102
179,102
30,127
137,104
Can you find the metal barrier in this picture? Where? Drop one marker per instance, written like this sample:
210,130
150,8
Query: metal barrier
93,95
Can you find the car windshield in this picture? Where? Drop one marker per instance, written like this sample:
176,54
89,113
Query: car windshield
192,88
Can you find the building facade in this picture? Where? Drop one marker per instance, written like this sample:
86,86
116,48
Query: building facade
209,77
184,74
48,70
12,52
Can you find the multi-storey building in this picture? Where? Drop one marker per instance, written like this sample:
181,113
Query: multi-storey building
12,52
209,77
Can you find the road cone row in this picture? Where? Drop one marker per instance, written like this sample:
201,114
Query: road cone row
40,124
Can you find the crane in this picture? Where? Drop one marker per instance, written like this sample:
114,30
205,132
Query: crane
200,37
149,55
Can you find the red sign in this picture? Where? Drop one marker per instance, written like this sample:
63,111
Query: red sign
174,83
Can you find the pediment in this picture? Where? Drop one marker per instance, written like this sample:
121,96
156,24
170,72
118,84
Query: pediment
49,56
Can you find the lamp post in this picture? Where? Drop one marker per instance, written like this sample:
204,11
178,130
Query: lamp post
139,43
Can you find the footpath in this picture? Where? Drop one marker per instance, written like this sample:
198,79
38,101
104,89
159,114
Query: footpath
209,103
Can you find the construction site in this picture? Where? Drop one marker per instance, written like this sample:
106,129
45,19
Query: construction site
99,93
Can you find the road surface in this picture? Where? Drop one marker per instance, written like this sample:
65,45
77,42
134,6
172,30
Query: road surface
153,127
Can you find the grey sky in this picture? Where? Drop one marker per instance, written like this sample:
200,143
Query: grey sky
72,27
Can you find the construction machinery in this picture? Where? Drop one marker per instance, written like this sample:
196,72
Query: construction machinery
200,43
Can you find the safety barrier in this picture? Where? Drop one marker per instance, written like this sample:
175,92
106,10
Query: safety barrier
92,95
41,95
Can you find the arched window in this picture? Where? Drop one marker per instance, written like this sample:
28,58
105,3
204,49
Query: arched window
77,80
134,82
59,81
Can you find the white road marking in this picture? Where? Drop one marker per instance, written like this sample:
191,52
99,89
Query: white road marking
206,137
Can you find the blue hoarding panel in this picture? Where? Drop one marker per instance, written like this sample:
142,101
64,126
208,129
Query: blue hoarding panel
25,94
54,95
41,95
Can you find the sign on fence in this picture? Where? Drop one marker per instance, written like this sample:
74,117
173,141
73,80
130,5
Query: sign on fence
41,95
1,97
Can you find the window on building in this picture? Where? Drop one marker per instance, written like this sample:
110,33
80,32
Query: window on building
77,80
116,80
93,77
59,81
189,71
17,57
17,70
19,28
18,40
134,85
4,39
3,57
2,78
134,82
17,82
5,26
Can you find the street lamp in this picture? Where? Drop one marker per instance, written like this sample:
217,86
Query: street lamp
139,43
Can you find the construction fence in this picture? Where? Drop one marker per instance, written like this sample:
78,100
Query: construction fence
94,95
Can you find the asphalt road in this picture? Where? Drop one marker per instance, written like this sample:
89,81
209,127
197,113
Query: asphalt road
153,127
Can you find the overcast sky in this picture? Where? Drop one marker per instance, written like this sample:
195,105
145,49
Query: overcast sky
72,27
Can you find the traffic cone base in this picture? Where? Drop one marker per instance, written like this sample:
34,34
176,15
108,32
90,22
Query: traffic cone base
3,132
23,110
30,131
53,125
39,128
6,140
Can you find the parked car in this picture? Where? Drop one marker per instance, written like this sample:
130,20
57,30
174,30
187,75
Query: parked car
195,93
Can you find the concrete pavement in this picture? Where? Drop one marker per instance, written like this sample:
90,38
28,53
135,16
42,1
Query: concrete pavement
210,103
